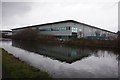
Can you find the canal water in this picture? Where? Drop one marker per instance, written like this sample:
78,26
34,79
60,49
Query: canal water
62,61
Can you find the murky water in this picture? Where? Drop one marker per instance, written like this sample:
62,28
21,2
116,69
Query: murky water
62,61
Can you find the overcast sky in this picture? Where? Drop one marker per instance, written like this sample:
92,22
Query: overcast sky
119,16
99,13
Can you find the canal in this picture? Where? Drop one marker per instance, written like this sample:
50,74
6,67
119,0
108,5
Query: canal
62,61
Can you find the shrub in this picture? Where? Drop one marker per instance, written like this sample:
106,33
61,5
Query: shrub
32,35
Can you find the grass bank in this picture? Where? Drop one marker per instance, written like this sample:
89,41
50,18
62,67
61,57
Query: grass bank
14,68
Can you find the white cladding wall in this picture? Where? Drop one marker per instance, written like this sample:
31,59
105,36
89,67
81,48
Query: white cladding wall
84,30
90,31
9,33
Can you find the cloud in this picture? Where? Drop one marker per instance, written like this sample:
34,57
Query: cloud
11,11
0,14
100,13
119,16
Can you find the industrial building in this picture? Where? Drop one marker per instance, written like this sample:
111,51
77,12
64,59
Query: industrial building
5,33
70,29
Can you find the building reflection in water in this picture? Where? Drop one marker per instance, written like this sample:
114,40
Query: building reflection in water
59,52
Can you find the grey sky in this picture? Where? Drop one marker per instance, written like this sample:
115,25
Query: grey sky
119,16
99,13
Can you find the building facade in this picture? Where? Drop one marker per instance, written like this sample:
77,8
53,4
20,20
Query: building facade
70,29
5,33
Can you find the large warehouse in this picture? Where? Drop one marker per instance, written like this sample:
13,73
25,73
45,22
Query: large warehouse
70,29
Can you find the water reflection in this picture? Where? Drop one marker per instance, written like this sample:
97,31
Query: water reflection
59,52
119,67
85,63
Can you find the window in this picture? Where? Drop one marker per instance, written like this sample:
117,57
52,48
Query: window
56,29
68,28
48,29
42,30
74,29
63,28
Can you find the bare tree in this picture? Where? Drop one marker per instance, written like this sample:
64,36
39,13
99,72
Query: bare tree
27,34
97,33
32,35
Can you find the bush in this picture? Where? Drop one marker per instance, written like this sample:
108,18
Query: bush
27,34
33,35
93,43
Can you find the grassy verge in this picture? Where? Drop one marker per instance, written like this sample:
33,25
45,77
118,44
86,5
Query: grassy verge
18,69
